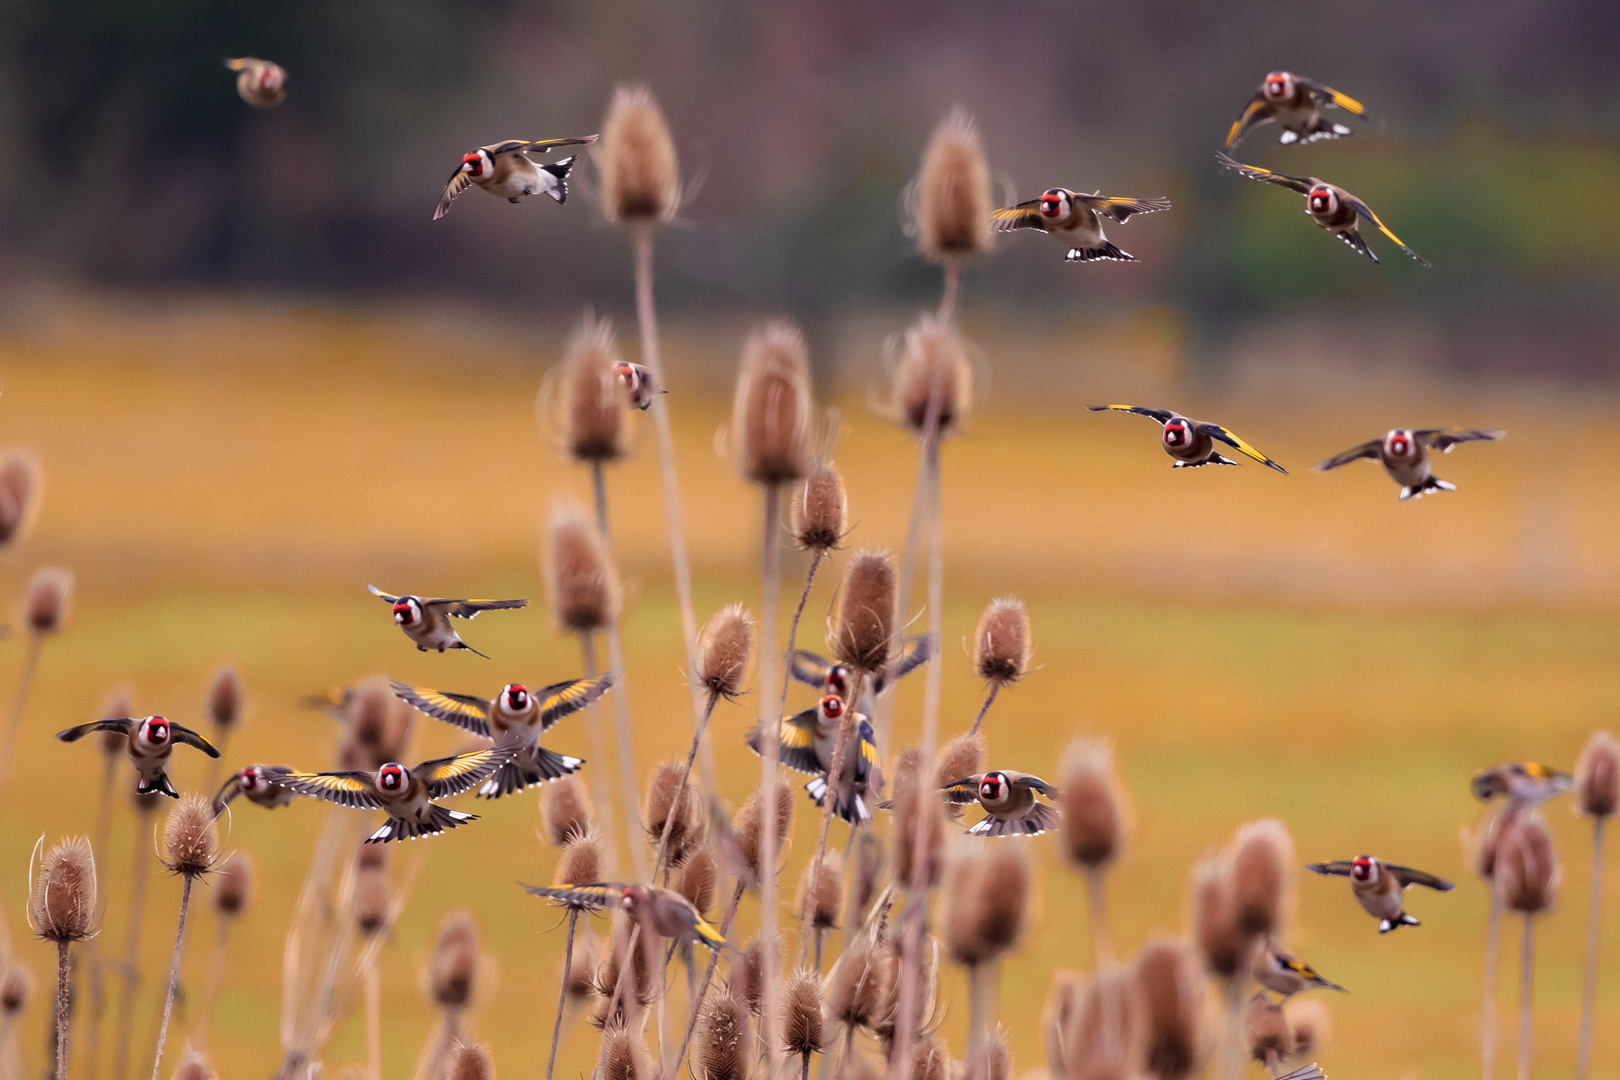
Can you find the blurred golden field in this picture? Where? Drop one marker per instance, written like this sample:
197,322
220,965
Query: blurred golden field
225,480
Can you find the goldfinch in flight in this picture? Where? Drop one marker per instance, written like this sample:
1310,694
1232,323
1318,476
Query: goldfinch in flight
1280,973
1524,783
1378,887
505,169
1009,802
639,382
662,911
518,715
1296,105
258,783
813,669
805,744
150,742
405,795
1077,220
261,83
1192,442
1404,454
1329,205
426,619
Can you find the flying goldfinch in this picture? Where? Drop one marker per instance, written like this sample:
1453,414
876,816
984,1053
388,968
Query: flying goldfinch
258,783
260,83
1296,105
662,911
505,169
1524,783
426,619
1009,802
813,669
1281,973
1404,454
640,382
1192,442
805,744
1077,220
150,742
1379,887
1329,205
405,795
516,714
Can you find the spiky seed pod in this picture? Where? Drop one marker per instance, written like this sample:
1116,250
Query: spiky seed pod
770,412
1169,985
749,826
698,878
746,982
821,890
803,1015
1058,1015
863,627
194,1065
636,160
15,986
453,971
964,895
926,967
1002,642
565,810
951,204
1220,939
819,509
596,404
371,857
1311,1025
19,495
931,1061
1103,1040
990,1060
868,869
1597,776
987,897
1261,857
933,364
721,1051
917,814
233,888
64,900
639,987
582,861
723,648
960,757
857,984
49,594
1265,1031
467,1061
623,1057
1526,866
371,716
225,698
370,900
1479,845
1093,823
190,839
582,581
685,817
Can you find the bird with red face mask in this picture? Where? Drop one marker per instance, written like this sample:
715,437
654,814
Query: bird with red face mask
1379,887
258,783
1296,104
426,619
805,743
1008,800
1330,206
150,742
639,382
813,669
1404,454
505,169
1077,220
515,714
1192,442
260,83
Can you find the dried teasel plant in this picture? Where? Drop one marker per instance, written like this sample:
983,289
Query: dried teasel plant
232,893
1169,983
582,863
452,980
960,757
1093,827
1527,877
1597,796
804,1018
468,1061
45,612
1002,648
225,710
1266,1036
622,1056
987,893
63,911
674,815
565,810
596,408
821,890
191,849
1262,858
1103,1039
950,201
990,1060
21,484
722,1050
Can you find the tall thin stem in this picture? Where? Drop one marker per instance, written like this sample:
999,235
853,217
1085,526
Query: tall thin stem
562,994
98,965
373,1021
1594,934
1102,948
1527,971
708,975
61,1009
989,699
1232,1049
216,978
793,630
835,779
680,788
771,581
1493,949
627,765
174,973
132,943
24,681
594,721
953,288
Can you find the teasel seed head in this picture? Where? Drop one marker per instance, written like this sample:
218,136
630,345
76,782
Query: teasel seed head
623,1057
933,365
50,594
931,1060
868,869
1265,1031
961,756
749,827
596,404
1104,1039
225,698
863,627
190,838
1597,776
723,648
194,1065
1002,643
820,508
640,988
803,1015
582,581
990,1060
1480,844
640,175
582,861
1262,855
1311,1025
722,1050
926,967
821,890
1093,824
685,817
565,810
1169,985
746,981
380,730
699,877
233,888
771,410
951,202
468,1061
370,899
987,900
1216,930
20,484
1527,872
453,970
64,900
917,814
858,983
15,986
371,857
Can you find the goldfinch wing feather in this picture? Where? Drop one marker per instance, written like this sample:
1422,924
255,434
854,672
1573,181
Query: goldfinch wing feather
181,734
463,710
1215,431
1336,868
1161,415
1444,439
353,789
963,791
1120,208
1025,215
560,699
593,897
1300,184
449,776
1367,212
809,668
1408,876
915,651
1254,114
386,598
1333,97
74,734
469,609
1367,449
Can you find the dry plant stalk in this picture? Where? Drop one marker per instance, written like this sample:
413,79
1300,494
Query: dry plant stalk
191,847
45,611
233,889
1597,795
1002,647
224,708
1527,874
63,910
1093,829
951,202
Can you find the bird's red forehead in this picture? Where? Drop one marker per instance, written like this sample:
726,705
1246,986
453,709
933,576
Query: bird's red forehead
468,159
832,705
1361,860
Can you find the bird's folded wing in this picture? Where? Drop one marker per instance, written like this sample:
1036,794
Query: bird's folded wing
1026,215
1037,785
1343,101
961,792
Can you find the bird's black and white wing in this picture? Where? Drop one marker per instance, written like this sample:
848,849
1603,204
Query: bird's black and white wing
1367,449
1444,439
1408,876
465,711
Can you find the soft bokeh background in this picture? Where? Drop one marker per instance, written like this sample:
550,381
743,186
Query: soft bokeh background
259,377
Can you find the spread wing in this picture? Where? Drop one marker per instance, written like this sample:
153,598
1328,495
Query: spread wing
74,734
463,710
1408,876
469,609
1543,772
1215,431
538,146
1445,439
181,734
1329,96
795,744
1300,184
449,776
596,897
914,652
227,792
963,791
1037,785
384,597
344,788
1367,449
1026,215
1255,113
809,668
560,699
1366,211
1120,208
1336,868
1161,415
459,181
867,762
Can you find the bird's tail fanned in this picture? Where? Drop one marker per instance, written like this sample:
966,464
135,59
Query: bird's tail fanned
1106,252
1313,1071
438,820
532,767
852,810
559,169
160,785
1430,483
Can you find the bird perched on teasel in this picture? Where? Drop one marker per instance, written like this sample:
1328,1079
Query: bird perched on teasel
1379,887
1009,802
640,382
1524,783
261,83
258,784
1281,973
806,745
426,619
1077,220
1192,442
663,911
405,795
1404,454
815,670
1330,206
505,169
515,714
149,743
1296,104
